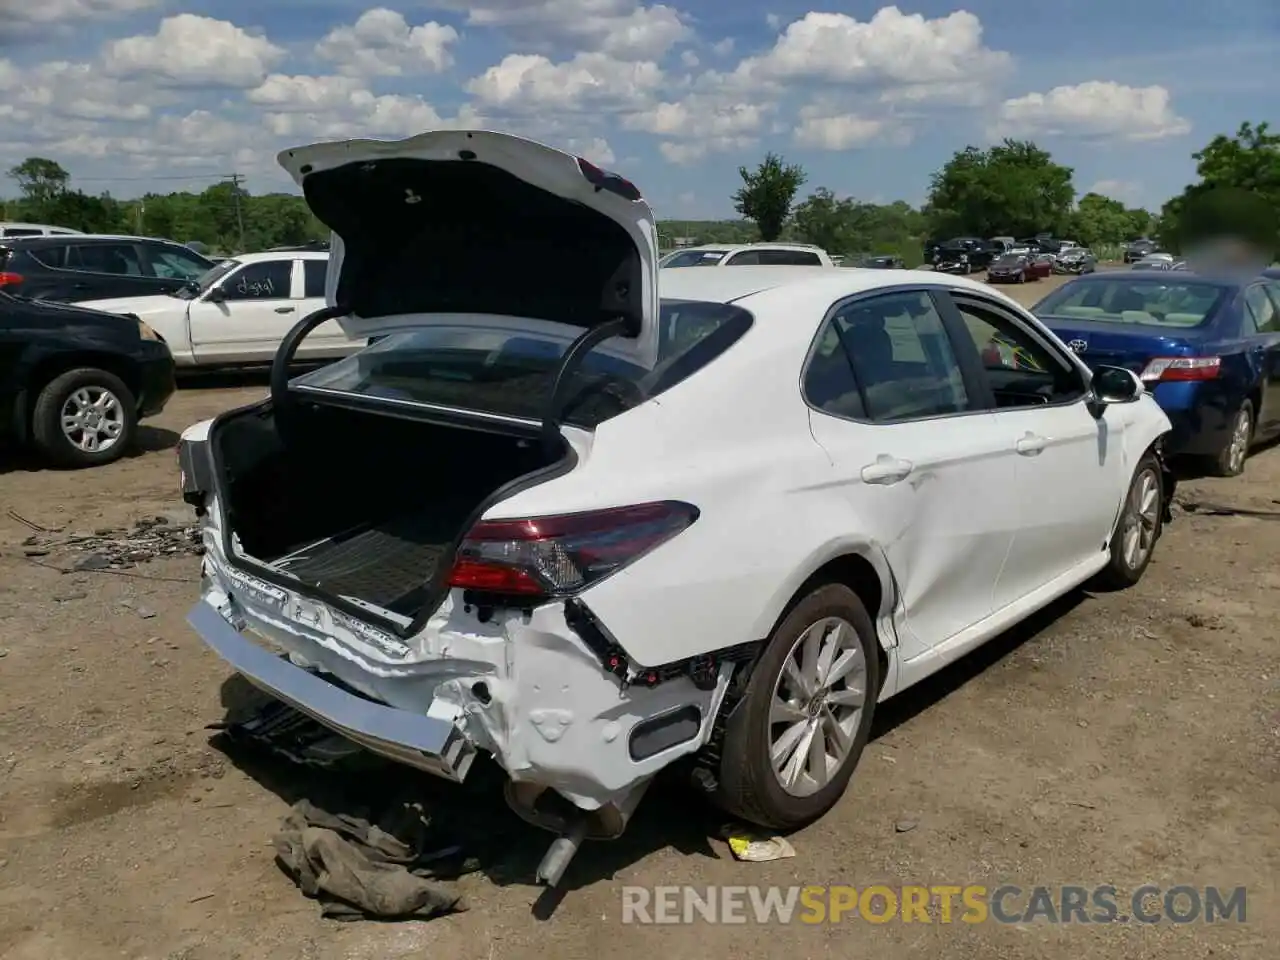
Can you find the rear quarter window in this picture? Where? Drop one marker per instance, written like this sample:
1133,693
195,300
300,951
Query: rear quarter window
512,373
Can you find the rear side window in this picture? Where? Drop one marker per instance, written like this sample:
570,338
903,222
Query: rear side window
21,232
1261,310
53,255
117,259
512,373
314,277
897,352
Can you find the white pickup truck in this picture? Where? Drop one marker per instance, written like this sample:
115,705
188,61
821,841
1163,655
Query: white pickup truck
240,311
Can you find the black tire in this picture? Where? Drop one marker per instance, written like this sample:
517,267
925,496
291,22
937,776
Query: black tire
1229,462
46,418
748,787
1121,571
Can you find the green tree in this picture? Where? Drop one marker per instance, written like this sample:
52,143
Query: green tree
1014,188
1101,221
767,193
825,220
1238,192
40,179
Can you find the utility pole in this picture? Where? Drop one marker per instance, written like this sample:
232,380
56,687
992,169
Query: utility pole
235,180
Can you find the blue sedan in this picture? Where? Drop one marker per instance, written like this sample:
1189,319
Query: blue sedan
1208,349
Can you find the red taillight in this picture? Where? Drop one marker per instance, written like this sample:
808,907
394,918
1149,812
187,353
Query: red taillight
1167,369
9,279
561,555
604,180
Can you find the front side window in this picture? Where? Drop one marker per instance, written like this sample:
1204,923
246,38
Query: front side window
1022,371
118,259
512,373
897,349
266,280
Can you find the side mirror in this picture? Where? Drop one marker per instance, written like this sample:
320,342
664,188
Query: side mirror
1116,385
216,295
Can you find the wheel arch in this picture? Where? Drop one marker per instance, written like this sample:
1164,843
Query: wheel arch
45,369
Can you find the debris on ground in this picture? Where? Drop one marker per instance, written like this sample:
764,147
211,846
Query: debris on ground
290,734
748,845
358,869
116,548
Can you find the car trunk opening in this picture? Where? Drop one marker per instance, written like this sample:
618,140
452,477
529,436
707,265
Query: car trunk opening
361,505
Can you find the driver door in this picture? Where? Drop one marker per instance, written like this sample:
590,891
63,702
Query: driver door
1070,474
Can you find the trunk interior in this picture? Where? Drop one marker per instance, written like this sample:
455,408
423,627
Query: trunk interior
357,504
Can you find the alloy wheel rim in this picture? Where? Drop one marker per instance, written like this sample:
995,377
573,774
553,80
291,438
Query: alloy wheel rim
1142,516
816,707
92,419
1239,442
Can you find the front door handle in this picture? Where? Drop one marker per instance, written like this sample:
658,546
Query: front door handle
886,470
284,309
1030,444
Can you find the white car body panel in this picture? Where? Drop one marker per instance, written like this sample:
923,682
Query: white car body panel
984,529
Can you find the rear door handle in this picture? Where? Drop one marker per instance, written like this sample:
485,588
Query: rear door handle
887,470
1030,444
284,309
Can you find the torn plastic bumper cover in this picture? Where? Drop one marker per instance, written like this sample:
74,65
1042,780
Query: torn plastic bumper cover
524,686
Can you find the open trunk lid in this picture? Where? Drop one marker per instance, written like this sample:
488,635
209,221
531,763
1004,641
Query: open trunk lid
456,226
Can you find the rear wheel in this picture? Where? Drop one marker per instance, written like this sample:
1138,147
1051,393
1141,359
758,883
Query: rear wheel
84,418
1138,527
793,742
1230,460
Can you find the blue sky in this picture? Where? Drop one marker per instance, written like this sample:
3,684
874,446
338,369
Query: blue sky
131,95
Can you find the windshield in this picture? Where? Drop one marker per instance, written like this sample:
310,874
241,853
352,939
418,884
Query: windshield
694,258
509,371
1149,303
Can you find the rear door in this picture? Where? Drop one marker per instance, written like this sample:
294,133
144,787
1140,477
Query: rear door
98,271
1070,468
919,456
327,340
1262,329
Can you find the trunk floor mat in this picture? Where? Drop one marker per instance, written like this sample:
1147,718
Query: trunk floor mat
381,564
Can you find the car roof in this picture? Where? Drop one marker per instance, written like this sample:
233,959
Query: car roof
735,247
53,239
729,286
279,255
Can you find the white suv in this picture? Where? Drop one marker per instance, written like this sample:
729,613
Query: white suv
749,254
35,230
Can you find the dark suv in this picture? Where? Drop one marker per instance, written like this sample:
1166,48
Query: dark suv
95,268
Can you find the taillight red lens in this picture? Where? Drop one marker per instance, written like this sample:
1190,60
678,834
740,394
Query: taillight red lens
9,279
561,555
1167,369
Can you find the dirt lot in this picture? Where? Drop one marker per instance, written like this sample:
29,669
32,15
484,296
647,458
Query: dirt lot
1123,739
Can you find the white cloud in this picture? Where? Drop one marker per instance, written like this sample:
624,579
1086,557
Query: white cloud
1094,108
189,50
532,82
689,59
1123,190
619,28
382,44
339,107
722,48
48,12
74,91
836,131
595,149
906,54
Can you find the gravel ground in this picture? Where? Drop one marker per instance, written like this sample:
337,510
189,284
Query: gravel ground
1124,738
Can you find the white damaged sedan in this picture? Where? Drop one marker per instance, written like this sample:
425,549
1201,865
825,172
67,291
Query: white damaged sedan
590,530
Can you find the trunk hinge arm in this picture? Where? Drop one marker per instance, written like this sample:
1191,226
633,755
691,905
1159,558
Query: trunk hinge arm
289,346
569,363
